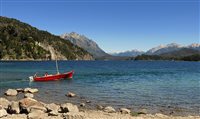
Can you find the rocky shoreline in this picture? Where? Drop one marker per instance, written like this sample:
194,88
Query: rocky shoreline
30,108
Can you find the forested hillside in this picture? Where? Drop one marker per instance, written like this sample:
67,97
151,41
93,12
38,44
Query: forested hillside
20,41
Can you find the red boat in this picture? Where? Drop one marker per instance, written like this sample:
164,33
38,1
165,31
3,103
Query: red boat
54,77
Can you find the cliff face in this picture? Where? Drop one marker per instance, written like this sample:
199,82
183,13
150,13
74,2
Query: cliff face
20,41
85,43
53,53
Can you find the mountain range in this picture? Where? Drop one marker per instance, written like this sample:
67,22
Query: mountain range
169,51
170,48
131,53
21,41
162,50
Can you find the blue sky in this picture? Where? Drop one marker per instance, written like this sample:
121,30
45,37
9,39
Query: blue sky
116,25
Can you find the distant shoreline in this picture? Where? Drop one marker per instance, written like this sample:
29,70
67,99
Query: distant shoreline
92,60
40,60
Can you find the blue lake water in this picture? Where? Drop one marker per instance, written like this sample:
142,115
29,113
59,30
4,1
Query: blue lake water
158,86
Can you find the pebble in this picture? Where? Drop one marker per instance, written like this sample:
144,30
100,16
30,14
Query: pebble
82,104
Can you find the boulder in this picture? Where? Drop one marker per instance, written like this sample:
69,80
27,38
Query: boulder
4,103
31,90
70,94
11,92
68,107
3,112
37,114
52,107
109,109
13,108
53,113
34,90
28,104
28,95
27,89
125,111
20,90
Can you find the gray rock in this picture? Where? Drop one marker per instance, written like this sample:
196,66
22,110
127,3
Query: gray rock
3,112
27,89
68,107
109,109
28,105
11,92
70,94
125,111
34,90
53,113
13,108
142,111
31,90
99,107
4,103
37,114
38,107
28,95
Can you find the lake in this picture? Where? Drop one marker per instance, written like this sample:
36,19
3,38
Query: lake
168,87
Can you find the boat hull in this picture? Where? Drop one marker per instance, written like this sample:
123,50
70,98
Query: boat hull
55,77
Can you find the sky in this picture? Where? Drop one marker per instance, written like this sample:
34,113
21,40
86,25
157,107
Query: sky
115,25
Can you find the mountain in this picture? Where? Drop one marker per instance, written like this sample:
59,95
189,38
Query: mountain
20,41
85,43
131,53
163,49
171,51
194,46
170,48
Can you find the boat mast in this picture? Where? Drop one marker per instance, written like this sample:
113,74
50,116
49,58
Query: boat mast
57,66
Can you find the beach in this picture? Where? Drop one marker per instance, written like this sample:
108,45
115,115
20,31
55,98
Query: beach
27,107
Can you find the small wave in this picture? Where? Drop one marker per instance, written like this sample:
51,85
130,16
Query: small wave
13,81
